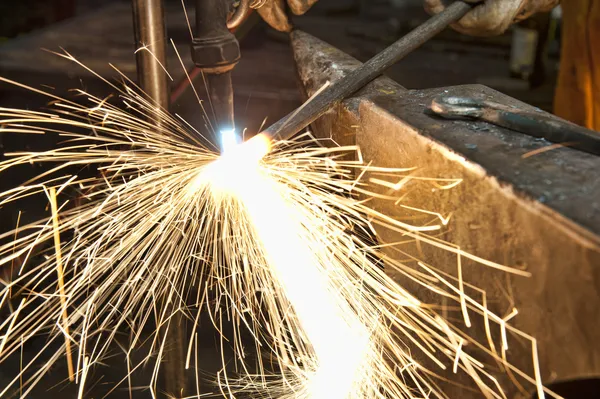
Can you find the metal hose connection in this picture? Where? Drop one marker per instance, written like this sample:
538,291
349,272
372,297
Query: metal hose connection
242,8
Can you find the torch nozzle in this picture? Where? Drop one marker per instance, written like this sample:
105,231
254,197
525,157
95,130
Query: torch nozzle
220,91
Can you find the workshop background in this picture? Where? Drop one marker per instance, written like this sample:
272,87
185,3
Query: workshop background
98,33
523,63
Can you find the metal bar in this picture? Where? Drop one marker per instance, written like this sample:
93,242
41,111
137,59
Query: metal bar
149,30
215,50
173,367
354,81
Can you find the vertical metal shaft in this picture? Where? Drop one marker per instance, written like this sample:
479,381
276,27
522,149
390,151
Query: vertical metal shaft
220,90
216,51
150,32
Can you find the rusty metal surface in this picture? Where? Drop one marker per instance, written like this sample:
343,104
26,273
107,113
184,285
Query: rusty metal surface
540,212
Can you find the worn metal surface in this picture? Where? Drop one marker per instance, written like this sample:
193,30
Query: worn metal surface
540,213
358,77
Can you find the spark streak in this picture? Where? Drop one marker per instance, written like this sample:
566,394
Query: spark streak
280,228
277,237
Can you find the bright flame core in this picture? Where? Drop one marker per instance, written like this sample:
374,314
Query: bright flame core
228,139
338,338
340,343
234,167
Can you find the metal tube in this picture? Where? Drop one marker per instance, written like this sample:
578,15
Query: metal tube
220,91
211,17
297,120
149,30
240,14
215,50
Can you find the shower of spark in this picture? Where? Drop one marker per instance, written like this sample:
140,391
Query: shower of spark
276,237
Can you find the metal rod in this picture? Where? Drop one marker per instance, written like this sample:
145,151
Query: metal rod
215,50
220,90
149,30
297,120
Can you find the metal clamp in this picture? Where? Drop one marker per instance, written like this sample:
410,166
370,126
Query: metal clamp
535,124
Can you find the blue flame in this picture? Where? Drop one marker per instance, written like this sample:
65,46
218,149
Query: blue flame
228,139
